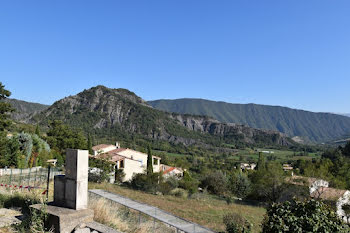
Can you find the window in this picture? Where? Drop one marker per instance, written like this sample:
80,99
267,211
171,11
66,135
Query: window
121,164
155,161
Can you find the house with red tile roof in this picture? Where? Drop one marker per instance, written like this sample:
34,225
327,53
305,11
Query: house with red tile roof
168,171
130,161
318,189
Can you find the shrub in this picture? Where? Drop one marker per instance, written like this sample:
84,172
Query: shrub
215,183
240,185
179,192
148,183
236,224
307,216
188,183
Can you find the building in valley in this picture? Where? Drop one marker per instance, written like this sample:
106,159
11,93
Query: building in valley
318,189
130,161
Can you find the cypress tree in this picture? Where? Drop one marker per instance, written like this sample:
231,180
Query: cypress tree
261,162
37,130
89,142
149,161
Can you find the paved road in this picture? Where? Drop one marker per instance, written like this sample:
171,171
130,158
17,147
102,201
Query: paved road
161,215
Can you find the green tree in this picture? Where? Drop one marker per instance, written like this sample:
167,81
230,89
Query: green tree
235,223
60,137
5,108
37,130
261,162
89,144
215,183
307,216
149,160
240,185
268,184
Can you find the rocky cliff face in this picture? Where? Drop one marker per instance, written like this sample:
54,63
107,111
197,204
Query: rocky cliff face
101,109
214,127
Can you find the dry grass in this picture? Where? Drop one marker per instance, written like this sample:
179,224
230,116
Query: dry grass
205,210
123,219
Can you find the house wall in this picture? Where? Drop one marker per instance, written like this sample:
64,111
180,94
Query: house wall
132,167
105,150
345,199
317,184
142,157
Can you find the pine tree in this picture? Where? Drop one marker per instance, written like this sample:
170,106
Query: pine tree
89,142
37,130
261,162
5,108
149,161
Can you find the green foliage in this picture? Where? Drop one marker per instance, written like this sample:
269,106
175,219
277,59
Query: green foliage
149,161
188,183
240,185
89,144
104,167
148,183
60,137
308,216
261,165
318,127
5,108
215,183
235,223
268,184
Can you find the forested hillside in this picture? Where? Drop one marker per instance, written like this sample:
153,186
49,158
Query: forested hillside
119,113
315,127
23,109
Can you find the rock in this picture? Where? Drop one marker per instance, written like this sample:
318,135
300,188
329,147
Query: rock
82,230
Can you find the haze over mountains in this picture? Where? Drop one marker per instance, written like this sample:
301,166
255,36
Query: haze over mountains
310,126
103,109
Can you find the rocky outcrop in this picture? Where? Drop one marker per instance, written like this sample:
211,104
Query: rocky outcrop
101,108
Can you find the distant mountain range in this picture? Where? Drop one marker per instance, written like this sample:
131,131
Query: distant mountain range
24,110
308,126
109,113
101,108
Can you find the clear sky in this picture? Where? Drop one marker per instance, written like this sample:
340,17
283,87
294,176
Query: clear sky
293,53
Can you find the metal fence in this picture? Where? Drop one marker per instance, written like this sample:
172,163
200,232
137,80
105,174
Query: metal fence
156,214
29,178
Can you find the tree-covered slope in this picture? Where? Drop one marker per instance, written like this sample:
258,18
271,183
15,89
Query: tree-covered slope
316,127
107,112
23,109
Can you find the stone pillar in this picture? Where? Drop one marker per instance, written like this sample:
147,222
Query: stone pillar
76,186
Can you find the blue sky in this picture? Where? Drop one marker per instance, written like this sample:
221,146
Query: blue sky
290,53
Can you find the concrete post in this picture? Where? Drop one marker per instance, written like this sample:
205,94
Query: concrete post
76,186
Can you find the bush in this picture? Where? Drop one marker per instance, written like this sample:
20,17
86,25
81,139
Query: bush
168,185
188,183
215,183
179,192
148,183
236,224
240,185
307,216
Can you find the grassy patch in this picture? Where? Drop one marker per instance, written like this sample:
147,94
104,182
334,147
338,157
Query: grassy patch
203,209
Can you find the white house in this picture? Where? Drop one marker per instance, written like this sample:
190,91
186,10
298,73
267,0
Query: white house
319,189
168,171
130,161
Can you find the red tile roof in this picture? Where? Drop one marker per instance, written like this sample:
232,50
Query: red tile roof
101,146
330,194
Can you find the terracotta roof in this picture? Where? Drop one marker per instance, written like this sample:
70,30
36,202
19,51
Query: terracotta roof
169,170
301,180
330,194
110,156
101,146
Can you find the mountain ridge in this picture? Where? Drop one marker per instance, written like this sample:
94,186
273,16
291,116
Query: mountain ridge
120,111
311,126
